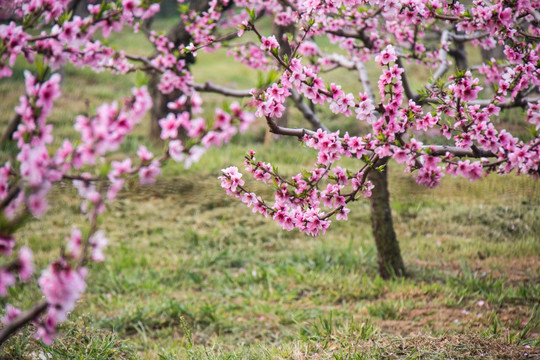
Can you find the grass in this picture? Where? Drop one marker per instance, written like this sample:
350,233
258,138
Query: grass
192,273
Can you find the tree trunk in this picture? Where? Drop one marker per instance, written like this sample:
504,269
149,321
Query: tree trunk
388,251
179,36
496,53
459,53
159,109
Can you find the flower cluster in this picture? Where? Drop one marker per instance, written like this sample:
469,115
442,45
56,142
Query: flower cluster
62,286
453,107
299,202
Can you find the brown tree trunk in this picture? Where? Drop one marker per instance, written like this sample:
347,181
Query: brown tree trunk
496,53
459,53
388,251
159,108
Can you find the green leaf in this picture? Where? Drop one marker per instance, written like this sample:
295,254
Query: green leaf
42,69
104,170
273,76
260,80
533,131
275,185
183,8
226,106
141,79
252,15
65,17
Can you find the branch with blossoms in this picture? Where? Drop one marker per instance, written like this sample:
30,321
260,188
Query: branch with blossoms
26,181
450,106
24,192
297,202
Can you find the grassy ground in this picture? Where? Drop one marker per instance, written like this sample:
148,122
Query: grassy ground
191,273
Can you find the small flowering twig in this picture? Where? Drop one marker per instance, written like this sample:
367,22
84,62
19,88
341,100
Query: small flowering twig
21,320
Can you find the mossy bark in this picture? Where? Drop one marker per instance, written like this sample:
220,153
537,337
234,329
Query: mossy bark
388,251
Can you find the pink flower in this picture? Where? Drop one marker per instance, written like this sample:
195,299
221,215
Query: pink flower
386,56
62,287
6,244
26,266
6,280
284,220
270,43
471,171
11,314
130,5
120,167
342,214
195,154
169,126
176,150
144,154
249,199
98,241
37,204
505,16
148,174
74,243
231,178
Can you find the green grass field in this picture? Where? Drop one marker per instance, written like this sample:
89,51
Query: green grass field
192,273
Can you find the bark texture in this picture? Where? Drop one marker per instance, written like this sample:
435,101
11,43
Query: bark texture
388,251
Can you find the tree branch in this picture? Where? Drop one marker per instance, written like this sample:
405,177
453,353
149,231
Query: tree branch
465,37
518,102
358,66
405,80
434,150
12,194
280,130
364,79
360,35
307,112
441,150
443,55
22,320
10,129
210,87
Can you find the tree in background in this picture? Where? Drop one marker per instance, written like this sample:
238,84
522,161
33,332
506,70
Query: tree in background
393,34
